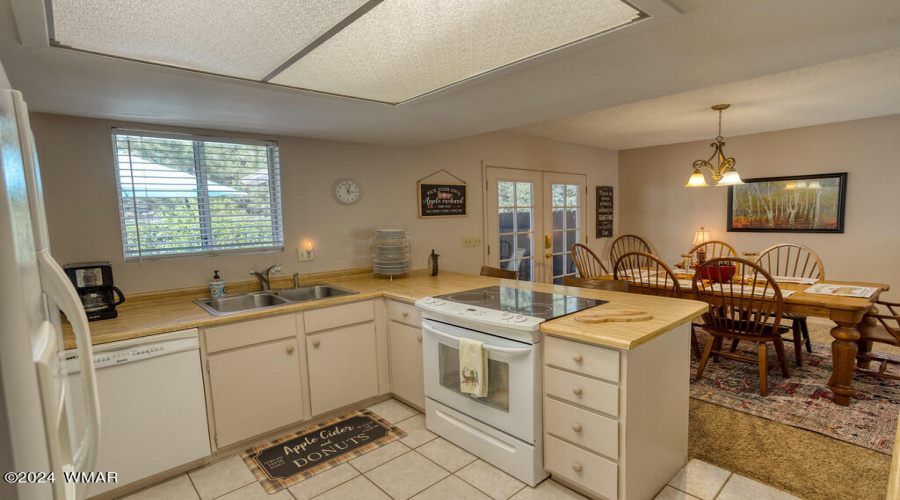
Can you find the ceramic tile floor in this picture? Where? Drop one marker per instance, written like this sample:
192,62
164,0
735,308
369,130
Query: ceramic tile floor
423,466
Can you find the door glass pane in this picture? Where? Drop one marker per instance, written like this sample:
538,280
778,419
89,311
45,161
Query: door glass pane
565,199
505,194
507,224
516,226
558,241
498,378
526,269
523,219
523,194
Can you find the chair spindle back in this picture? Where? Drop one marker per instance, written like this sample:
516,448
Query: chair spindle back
647,274
587,262
746,305
625,244
791,259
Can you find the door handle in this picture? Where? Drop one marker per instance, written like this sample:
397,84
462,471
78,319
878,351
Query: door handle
548,255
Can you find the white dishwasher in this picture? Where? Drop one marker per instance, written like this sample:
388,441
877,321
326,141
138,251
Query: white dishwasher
152,405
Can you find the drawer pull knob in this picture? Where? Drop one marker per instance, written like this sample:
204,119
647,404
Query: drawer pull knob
419,338
576,427
576,467
577,358
405,314
290,349
315,343
576,391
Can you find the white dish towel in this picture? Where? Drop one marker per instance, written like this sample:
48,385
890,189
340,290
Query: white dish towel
473,373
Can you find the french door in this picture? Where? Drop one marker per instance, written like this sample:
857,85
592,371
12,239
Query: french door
533,219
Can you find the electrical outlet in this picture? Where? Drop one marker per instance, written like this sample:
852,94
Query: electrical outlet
305,255
471,241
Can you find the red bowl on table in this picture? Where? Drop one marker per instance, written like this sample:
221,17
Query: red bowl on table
719,274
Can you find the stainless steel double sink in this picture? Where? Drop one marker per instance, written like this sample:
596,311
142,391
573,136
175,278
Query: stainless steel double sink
271,298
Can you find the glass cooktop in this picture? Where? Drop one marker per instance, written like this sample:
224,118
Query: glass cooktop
528,302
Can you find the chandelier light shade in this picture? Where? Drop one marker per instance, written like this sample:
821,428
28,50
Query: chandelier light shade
723,172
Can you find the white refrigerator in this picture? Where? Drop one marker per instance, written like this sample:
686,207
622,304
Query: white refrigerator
34,419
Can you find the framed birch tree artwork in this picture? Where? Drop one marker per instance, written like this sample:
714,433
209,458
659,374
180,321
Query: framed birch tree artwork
798,204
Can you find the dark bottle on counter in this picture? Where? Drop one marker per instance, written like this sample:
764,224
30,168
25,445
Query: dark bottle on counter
433,263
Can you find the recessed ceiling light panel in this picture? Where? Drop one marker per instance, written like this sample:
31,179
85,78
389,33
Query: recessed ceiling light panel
381,50
227,37
402,49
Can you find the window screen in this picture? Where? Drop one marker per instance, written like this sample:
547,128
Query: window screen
185,195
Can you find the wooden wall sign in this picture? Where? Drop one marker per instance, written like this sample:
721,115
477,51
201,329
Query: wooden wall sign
604,211
444,199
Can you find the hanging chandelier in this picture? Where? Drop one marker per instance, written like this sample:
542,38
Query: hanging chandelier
724,173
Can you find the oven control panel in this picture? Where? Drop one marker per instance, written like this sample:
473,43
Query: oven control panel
482,315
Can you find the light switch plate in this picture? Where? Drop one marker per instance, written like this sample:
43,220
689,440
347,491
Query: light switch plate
471,241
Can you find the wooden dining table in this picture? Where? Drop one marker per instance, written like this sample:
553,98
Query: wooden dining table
845,312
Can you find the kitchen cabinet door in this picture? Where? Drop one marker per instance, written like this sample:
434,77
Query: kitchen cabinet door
407,375
255,390
342,366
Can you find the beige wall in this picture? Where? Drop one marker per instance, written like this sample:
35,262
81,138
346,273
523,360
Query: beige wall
82,214
654,203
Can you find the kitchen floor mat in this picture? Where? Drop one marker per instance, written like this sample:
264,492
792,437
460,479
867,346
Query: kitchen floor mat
295,457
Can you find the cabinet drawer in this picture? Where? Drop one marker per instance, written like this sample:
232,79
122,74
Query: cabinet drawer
255,331
593,394
581,467
592,431
404,313
333,317
590,360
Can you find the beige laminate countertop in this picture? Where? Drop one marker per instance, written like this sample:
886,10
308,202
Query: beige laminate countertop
160,312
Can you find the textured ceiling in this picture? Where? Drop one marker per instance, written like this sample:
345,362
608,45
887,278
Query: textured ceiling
848,89
751,54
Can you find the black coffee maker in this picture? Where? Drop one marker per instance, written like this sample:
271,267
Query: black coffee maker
94,284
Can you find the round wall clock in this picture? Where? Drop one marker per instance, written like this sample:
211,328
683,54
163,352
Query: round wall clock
346,191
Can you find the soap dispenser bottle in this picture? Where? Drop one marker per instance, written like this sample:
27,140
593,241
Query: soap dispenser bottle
216,286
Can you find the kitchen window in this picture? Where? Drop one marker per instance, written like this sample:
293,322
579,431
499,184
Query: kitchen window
188,195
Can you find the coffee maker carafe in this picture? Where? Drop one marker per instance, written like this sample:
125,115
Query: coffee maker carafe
94,284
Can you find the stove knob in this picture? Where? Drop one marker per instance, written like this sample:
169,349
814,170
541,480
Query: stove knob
518,318
506,315
438,302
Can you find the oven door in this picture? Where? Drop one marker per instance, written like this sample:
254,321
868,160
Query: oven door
513,386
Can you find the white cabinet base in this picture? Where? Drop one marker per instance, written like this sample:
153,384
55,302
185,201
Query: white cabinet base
649,411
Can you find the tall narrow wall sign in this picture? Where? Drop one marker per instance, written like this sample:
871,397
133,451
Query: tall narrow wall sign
604,211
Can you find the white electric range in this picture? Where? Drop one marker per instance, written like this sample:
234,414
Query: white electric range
505,427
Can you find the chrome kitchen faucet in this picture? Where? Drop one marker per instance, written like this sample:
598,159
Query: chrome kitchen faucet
264,276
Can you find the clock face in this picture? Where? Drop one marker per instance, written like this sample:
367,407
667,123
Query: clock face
346,191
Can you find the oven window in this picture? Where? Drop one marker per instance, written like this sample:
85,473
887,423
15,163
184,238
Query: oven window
498,378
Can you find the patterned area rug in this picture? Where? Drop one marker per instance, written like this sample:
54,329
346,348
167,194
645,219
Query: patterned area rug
803,399
295,457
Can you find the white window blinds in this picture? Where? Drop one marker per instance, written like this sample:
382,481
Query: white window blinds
185,195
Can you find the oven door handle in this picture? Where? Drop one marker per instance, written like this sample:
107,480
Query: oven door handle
505,350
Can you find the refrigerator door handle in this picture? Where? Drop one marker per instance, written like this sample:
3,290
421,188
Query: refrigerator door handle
59,289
